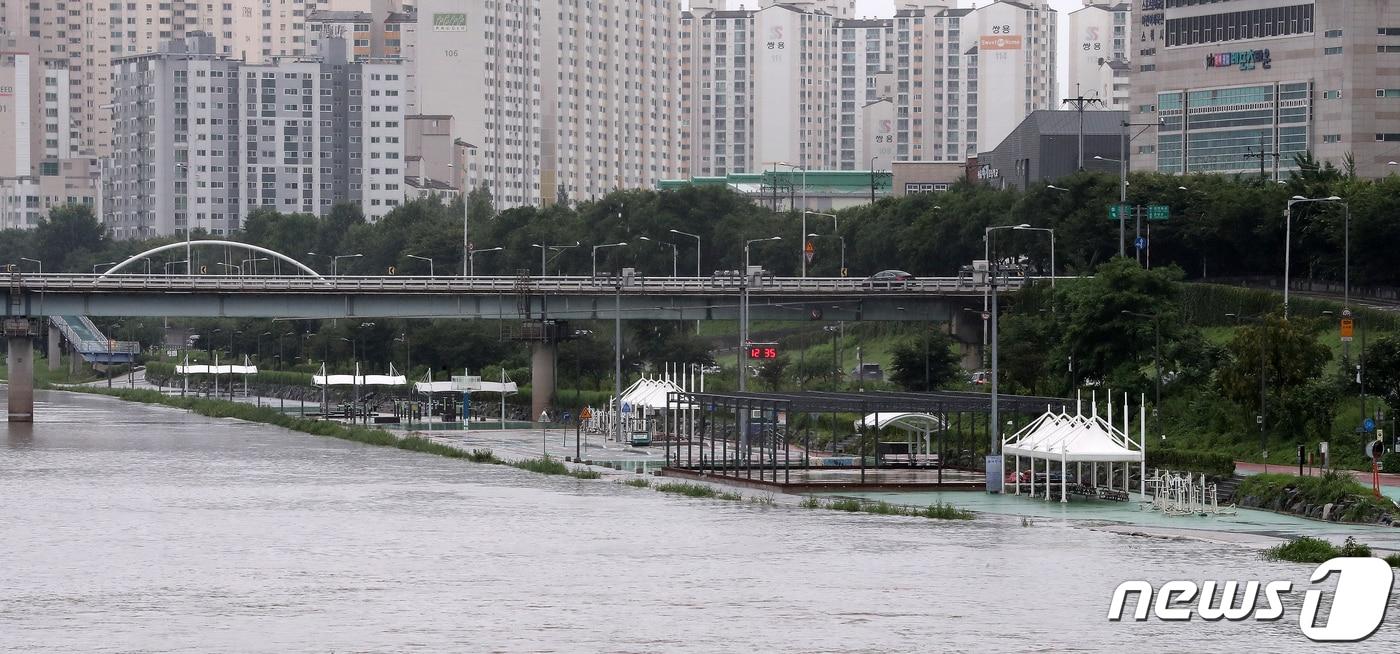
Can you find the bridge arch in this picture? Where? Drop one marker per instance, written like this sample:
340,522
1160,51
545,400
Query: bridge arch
249,246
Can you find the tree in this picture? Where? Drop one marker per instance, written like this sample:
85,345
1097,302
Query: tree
69,237
773,372
914,371
1382,365
480,205
1098,335
1291,358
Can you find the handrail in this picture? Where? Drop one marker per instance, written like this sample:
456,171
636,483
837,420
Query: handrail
61,283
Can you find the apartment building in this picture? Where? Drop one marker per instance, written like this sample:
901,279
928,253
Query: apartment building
1241,85
562,97
202,139
844,93
1100,46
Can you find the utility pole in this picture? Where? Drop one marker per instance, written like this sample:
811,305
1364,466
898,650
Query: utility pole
1261,157
1079,103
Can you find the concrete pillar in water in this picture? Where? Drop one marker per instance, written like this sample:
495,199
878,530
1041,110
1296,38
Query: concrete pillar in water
541,377
20,360
55,348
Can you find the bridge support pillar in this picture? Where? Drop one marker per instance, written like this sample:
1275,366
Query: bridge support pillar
55,348
542,358
20,337
967,331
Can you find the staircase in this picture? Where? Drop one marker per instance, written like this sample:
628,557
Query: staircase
1225,489
88,341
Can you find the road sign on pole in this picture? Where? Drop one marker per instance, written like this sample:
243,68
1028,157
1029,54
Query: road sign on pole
1369,425
1118,211
1141,243
1159,212
809,250
1348,328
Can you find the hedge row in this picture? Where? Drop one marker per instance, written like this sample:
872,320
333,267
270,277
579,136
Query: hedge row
1211,463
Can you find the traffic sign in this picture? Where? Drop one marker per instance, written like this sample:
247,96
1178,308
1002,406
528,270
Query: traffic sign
1141,243
809,251
471,246
1118,211
585,414
1348,327
626,408
1159,212
1369,425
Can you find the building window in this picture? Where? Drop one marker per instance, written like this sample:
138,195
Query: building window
1331,138
1334,95
1332,34
1332,51
1388,93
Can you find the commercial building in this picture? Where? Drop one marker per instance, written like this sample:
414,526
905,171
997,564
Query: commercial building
564,98
1243,85
203,139
804,84
1100,52
1045,147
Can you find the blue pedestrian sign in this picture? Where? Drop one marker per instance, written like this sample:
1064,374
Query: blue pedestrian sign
1141,242
626,408
1369,425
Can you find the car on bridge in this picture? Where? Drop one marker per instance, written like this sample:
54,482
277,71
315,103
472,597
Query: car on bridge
888,279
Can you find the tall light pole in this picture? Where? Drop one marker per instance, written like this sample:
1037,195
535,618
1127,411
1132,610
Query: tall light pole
675,253
230,266
105,263
872,178
544,250
41,264
697,263
600,247
1288,242
1123,178
802,247
1156,319
188,227
988,299
335,262
1051,231
744,312
429,260
254,267
471,259
804,182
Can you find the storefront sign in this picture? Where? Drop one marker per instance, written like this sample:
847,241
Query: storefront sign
1246,59
449,22
986,171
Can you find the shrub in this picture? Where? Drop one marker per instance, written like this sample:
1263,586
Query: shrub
1211,463
1393,560
687,489
639,482
845,504
585,474
731,496
1305,549
810,502
1353,548
1391,462
544,466
941,511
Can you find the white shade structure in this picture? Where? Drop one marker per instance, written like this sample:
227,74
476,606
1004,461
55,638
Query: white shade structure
1077,438
391,379
201,369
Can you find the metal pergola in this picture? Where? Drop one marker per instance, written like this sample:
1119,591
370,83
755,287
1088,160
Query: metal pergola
751,435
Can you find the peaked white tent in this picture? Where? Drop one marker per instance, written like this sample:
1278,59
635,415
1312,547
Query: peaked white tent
1078,438
357,379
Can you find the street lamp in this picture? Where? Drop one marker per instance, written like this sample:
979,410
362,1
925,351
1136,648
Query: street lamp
802,249
108,263
229,265
744,312
675,253
335,262
41,263
254,267
804,183
1263,415
872,178
1288,246
471,259
545,248
428,259
1156,319
1123,176
600,247
1051,231
168,264
843,248
1056,188
697,263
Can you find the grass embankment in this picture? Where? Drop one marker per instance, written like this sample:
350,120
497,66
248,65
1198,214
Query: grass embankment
45,378
267,415
937,511
1352,502
1307,549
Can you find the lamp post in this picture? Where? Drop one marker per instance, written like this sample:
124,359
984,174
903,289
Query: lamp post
1051,231
335,262
802,247
987,299
600,247
229,265
431,273
843,246
471,259
675,253
1123,176
41,263
697,263
254,267
872,178
188,227
1156,319
545,248
107,263
1288,243
804,183
744,312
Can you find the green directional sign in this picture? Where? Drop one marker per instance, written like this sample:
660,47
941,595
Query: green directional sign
1118,211
1159,212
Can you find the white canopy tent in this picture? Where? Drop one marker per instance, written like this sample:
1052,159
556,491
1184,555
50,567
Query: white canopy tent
202,369
1065,438
912,424
357,379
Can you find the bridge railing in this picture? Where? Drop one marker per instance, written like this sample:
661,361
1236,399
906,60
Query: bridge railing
501,285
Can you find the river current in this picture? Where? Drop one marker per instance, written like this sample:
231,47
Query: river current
131,528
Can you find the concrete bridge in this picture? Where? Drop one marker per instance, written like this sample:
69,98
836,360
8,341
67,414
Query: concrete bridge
529,300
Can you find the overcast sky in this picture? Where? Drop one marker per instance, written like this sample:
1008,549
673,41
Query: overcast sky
885,9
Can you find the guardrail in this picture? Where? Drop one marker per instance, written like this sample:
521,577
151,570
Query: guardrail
65,283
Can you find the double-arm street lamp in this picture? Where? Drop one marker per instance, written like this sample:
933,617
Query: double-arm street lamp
843,246
335,262
802,247
1123,177
1051,231
1156,319
254,268
600,247
1288,247
675,253
697,248
544,250
471,259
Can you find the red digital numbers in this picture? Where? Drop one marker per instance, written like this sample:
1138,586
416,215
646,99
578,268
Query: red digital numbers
759,353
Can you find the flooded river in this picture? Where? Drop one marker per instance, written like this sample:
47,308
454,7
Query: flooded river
128,528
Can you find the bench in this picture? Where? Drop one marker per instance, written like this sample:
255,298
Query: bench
1114,495
908,460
